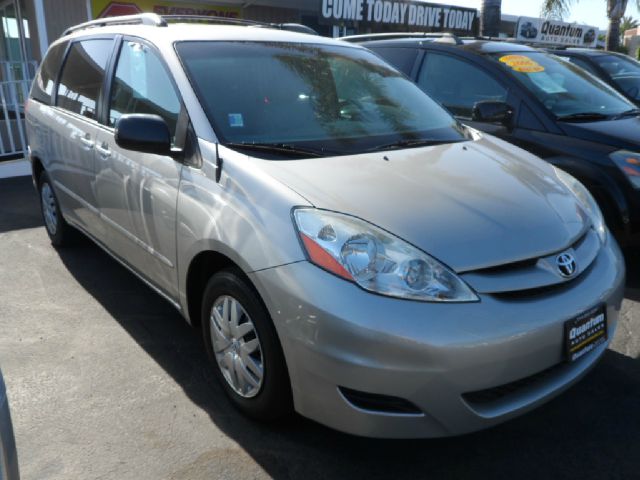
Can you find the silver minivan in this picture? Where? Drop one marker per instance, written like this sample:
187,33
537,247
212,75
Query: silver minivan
347,249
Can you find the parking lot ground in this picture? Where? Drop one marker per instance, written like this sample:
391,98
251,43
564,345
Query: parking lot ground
106,381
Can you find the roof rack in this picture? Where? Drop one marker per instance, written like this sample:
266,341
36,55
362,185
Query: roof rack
155,20
444,37
140,19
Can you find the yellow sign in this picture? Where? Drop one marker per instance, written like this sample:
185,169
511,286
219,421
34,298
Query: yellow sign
520,63
109,8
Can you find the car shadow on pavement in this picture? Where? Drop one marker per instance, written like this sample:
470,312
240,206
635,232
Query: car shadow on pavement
632,258
591,431
19,207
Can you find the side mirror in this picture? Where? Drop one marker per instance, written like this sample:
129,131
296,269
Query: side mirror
143,133
492,112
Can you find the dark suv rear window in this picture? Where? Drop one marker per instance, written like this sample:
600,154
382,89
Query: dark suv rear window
83,75
46,77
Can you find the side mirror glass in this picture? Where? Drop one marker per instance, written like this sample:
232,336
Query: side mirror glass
492,112
143,133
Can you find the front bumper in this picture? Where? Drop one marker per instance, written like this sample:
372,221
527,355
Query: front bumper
335,334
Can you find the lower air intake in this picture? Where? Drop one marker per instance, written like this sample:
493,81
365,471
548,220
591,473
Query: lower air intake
379,403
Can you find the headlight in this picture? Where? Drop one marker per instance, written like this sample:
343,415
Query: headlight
587,201
629,163
376,260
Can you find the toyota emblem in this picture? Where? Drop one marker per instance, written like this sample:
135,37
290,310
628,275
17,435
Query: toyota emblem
566,264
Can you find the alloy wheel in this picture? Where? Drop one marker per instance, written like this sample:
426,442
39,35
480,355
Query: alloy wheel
49,208
236,346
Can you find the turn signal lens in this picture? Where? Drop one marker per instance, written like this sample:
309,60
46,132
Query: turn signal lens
629,163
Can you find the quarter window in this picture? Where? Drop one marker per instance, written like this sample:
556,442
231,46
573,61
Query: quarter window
46,77
83,76
143,85
458,84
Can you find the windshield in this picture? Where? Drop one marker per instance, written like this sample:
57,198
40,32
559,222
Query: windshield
564,89
301,98
625,72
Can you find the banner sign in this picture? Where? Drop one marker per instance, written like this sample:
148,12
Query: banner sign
552,32
108,8
406,14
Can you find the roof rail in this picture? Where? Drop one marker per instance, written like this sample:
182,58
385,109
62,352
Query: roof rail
163,20
140,19
444,37
294,27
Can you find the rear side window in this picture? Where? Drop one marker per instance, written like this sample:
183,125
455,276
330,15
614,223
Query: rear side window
42,89
142,85
458,84
401,58
83,75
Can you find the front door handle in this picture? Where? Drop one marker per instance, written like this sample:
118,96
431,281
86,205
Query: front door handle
87,142
103,151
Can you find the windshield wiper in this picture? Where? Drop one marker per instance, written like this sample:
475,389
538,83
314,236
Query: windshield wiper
586,116
409,144
634,112
284,148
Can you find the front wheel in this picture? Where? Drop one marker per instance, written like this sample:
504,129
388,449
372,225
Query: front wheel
243,347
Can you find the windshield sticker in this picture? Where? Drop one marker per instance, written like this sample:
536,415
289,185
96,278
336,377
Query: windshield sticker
522,64
547,83
236,120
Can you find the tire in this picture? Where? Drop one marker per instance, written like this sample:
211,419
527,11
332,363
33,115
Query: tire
248,359
60,232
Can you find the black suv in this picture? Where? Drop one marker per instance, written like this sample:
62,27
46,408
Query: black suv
536,101
618,70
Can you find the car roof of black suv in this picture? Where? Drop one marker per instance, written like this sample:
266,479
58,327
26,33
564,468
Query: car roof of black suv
472,45
587,52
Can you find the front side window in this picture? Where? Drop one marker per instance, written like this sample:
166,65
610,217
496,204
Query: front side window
566,90
458,84
332,99
624,72
142,85
83,75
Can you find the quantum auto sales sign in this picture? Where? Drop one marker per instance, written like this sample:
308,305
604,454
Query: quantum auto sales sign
404,14
540,30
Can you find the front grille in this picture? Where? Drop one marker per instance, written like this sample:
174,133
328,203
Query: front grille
494,394
379,403
534,276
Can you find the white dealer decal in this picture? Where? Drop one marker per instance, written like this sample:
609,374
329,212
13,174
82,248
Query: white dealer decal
594,322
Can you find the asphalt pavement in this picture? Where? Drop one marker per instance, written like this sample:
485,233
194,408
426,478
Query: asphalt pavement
107,381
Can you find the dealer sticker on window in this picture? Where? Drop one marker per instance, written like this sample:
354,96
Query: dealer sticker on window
522,63
585,333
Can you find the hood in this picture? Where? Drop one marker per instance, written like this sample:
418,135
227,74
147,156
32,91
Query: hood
623,133
470,205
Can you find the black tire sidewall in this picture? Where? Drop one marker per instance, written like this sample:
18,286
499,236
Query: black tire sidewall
274,399
59,238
